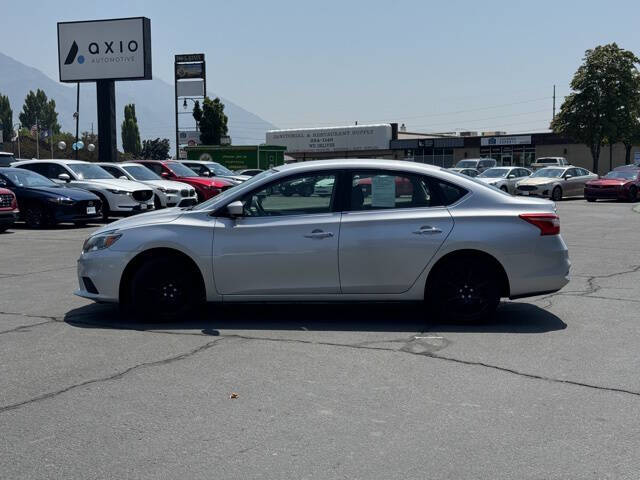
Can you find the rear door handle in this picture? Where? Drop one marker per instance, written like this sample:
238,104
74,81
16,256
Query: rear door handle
319,234
427,230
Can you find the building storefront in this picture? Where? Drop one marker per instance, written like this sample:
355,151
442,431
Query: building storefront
512,150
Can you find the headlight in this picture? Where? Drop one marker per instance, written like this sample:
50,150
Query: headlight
100,241
115,191
61,200
162,189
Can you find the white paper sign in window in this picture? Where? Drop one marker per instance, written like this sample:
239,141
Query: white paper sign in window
383,191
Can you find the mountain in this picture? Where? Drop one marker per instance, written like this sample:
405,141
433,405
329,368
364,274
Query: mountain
153,100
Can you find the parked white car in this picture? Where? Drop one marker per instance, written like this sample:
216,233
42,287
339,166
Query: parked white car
447,239
119,197
166,193
504,178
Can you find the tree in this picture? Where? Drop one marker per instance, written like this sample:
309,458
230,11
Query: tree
37,106
130,131
604,88
212,121
155,149
6,118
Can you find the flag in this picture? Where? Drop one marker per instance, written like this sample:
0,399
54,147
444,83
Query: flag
45,134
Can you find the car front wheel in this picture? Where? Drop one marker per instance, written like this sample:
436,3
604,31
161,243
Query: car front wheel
164,289
556,194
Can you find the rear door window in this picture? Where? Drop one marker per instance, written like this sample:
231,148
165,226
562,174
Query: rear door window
379,189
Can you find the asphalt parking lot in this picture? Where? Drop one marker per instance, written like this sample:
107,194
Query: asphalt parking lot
548,389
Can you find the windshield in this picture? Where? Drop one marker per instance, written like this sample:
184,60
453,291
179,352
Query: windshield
623,174
547,160
233,190
467,164
220,170
495,173
27,178
139,172
180,170
549,173
89,172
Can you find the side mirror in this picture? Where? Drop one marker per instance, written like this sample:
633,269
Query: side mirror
511,176
567,177
164,174
123,177
206,173
64,177
235,209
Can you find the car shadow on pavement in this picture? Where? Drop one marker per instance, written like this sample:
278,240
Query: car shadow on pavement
511,317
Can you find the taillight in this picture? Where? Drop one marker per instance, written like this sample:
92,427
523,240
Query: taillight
548,223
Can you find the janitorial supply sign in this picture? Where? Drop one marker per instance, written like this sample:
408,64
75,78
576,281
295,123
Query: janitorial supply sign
358,137
117,49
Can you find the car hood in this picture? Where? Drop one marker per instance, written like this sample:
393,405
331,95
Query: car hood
608,182
169,184
165,215
239,178
77,194
538,181
113,183
489,180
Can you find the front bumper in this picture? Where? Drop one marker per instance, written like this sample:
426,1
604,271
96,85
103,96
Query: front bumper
104,268
535,191
8,217
132,208
606,193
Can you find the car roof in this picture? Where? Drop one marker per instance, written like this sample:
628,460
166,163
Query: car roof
56,160
355,163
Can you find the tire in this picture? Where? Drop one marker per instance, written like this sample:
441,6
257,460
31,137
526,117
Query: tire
504,189
81,223
556,194
306,191
4,228
35,216
633,194
164,289
590,199
157,204
105,207
464,289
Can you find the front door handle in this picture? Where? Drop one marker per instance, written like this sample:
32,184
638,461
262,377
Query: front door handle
427,230
317,233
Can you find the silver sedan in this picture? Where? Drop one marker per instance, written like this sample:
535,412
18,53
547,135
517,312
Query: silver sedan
389,231
504,178
556,183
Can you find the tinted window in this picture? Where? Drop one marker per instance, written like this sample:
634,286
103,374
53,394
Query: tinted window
574,172
584,171
292,196
141,173
41,168
449,192
155,167
197,167
89,171
383,190
113,171
180,170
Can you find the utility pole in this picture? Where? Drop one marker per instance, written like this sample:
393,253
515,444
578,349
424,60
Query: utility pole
37,139
554,103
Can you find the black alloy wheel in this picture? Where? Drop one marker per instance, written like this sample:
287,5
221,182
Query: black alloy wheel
465,289
35,216
556,194
164,289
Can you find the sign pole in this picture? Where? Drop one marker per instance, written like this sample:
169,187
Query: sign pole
37,139
106,96
77,114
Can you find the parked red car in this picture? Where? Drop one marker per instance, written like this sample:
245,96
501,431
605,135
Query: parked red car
205,187
8,209
620,184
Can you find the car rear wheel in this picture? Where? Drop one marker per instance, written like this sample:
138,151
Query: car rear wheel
35,216
465,289
556,194
164,289
633,194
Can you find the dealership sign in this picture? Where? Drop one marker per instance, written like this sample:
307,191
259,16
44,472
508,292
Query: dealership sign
518,140
117,49
360,137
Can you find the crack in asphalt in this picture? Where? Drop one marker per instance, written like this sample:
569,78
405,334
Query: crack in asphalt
115,376
14,275
48,319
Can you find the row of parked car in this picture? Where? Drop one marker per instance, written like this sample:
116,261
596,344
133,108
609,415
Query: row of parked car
555,178
46,192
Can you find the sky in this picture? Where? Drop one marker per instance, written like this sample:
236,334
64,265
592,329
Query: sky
435,66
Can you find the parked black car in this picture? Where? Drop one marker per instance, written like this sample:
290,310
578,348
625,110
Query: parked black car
43,202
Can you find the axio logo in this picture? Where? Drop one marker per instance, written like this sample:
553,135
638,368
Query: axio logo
71,56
